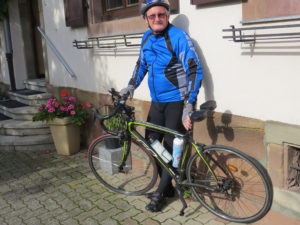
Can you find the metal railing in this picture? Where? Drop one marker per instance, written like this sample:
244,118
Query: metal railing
55,51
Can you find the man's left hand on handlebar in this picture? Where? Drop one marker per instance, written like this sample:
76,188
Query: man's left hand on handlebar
129,89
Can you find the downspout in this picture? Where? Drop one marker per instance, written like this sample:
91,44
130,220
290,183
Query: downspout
9,53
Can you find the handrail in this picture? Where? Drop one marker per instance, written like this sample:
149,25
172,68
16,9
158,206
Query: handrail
56,52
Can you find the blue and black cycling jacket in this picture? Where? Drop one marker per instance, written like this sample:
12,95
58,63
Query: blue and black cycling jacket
174,71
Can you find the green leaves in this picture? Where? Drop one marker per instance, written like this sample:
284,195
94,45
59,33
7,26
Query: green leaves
116,123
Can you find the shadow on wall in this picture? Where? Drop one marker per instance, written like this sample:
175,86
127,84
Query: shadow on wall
225,129
181,21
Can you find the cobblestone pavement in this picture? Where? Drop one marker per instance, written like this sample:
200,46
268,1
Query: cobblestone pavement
46,188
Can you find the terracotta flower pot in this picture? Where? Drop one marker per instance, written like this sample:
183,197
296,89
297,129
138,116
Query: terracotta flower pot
66,136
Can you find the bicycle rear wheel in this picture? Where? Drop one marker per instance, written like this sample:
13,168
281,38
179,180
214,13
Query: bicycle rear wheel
243,191
139,173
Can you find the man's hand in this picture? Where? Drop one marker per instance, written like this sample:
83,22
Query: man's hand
186,120
187,123
129,89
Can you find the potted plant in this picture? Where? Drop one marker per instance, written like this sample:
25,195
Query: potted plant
64,116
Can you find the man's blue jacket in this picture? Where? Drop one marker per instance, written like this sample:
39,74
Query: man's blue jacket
174,70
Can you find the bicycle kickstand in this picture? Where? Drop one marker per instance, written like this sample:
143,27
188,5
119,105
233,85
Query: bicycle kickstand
184,205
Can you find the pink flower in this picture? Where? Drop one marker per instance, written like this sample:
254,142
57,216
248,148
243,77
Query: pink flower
40,108
72,112
70,107
56,105
51,109
87,105
62,108
72,99
65,103
49,101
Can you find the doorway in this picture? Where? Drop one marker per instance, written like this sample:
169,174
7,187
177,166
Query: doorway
30,14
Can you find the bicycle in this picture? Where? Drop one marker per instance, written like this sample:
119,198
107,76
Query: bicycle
226,181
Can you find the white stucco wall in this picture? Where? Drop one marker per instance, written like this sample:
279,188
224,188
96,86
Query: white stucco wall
262,85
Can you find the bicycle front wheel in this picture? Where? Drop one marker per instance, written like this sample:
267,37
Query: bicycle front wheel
137,176
241,190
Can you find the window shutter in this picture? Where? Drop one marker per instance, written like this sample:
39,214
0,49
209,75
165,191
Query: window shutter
174,6
75,13
200,2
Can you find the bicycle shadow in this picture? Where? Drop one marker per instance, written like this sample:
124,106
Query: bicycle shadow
226,130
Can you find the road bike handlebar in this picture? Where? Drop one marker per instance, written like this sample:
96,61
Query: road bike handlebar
119,102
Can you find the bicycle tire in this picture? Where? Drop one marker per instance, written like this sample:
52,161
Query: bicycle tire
140,171
250,193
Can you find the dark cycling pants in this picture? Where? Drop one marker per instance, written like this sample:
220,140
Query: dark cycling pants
168,115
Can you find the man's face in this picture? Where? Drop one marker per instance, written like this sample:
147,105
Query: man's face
157,18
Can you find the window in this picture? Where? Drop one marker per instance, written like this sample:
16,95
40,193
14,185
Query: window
259,9
200,2
118,16
75,12
115,9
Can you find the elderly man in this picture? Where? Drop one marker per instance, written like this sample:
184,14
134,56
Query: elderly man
168,55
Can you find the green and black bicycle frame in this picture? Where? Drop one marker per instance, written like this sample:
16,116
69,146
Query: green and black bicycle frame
176,174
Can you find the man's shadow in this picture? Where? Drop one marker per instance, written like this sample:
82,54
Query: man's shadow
181,21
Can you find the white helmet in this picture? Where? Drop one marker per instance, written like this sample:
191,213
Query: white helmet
147,4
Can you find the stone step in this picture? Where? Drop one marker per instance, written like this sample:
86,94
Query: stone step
30,97
23,128
19,113
26,143
36,84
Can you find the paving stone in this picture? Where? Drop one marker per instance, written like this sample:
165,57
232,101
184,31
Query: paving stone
171,222
107,214
109,222
103,204
124,215
165,215
150,221
33,221
35,213
14,221
129,221
33,204
50,204
50,189
68,204
205,217
85,204
214,222
90,221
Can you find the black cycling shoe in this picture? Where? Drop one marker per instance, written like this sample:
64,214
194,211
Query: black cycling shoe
170,193
156,204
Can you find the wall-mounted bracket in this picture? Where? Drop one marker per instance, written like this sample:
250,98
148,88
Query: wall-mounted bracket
111,41
247,34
